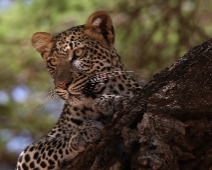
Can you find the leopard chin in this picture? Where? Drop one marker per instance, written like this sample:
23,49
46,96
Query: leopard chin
75,100
69,96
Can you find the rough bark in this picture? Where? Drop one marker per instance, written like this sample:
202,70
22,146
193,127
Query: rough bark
167,126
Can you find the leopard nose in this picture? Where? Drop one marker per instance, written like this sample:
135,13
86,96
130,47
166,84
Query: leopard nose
64,85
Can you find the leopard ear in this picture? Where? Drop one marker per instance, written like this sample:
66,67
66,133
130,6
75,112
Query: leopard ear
99,26
42,42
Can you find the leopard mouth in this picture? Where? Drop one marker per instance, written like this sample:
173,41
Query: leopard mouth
75,92
72,98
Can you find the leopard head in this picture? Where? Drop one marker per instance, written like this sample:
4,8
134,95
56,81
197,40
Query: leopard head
79,54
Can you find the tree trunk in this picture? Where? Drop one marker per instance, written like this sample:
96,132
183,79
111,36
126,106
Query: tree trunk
167,126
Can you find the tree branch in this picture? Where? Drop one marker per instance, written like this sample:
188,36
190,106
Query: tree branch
167,126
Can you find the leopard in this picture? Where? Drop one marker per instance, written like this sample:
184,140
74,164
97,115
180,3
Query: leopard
89,76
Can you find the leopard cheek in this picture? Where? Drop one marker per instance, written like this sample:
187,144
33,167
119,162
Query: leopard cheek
52,72
77,64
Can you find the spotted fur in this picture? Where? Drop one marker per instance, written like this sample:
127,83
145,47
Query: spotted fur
89,76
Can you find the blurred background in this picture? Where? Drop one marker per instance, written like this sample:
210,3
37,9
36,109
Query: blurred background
150,35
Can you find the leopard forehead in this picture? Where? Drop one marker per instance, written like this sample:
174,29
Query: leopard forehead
73,39
65,41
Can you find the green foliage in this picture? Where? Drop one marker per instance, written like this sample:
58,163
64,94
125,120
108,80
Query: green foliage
150,35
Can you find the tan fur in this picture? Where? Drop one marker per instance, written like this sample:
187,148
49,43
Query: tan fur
42,42
89,76
98,24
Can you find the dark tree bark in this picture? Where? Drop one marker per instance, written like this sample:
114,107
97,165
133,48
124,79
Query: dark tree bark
167,126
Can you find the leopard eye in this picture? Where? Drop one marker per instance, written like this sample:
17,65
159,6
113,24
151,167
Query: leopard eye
78,52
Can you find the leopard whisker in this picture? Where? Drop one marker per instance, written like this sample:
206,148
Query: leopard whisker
103,76
51,91
45,98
